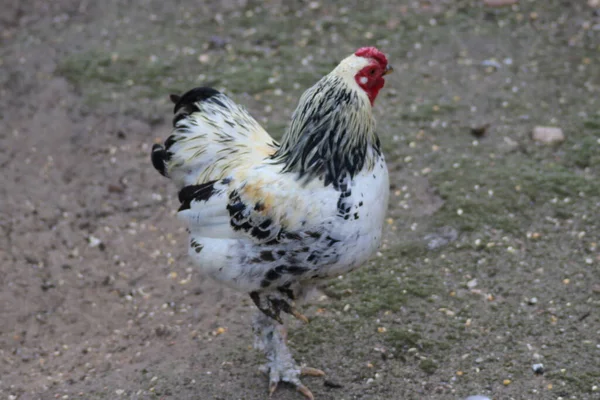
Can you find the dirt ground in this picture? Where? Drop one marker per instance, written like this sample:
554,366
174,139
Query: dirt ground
491,258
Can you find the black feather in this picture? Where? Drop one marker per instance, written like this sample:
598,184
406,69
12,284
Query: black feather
195,193
170,141
160,157
195,95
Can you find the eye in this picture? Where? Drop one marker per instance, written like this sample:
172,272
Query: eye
372,71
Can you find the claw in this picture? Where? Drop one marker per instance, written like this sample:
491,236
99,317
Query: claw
308,371
299,316
272,387
304,390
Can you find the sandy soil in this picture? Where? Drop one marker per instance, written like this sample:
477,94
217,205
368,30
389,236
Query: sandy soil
98,300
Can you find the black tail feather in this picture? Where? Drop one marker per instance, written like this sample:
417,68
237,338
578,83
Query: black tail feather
192,96
160,157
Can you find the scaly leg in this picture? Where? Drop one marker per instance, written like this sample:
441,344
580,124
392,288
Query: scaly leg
272,305
271,338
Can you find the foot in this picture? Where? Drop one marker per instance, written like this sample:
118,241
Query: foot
278,373
271,338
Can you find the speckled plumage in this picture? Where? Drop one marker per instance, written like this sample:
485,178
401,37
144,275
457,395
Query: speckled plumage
272,219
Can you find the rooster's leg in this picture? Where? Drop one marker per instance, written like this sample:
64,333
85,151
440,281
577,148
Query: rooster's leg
272,305
271,338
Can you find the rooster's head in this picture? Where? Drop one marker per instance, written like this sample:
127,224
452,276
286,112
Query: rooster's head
365,68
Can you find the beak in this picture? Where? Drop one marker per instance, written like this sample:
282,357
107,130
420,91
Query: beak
388,69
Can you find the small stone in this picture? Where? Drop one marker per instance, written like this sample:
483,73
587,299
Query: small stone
204,58
119,392
477,397
506,382
479,131
472,283
332,384
533,300
538,369
220,330
217,42
94,241
443,237
548,134
115,188
491,63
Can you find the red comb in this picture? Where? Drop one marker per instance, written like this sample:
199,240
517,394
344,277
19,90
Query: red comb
372,52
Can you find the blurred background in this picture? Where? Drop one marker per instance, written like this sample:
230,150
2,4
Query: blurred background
491,129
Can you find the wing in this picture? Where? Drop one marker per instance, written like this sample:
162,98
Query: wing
259,228
261,205
212,136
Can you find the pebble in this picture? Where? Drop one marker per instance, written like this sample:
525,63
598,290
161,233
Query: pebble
538,369
217,42
204,58
443,237
548,134
491,63
94,241
477,397
220,330
533,300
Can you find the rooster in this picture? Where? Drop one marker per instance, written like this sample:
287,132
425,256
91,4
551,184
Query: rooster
273,220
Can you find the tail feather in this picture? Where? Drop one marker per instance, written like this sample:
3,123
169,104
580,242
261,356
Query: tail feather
211,136
160,158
